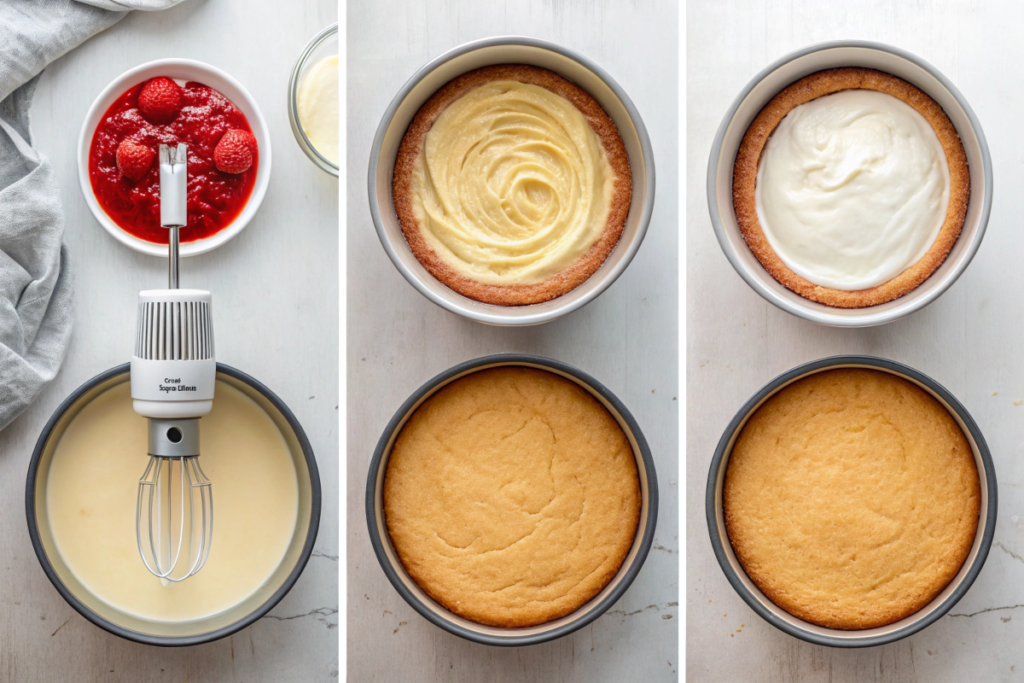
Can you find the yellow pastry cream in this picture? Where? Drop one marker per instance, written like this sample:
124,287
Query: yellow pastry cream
511,185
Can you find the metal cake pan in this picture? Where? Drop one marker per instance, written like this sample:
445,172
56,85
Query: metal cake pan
166,633
768,83
943,602
490,635
510,50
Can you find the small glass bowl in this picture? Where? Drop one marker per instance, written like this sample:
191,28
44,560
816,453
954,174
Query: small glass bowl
321,45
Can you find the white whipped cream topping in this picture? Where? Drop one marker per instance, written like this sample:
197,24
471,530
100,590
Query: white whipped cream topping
852,189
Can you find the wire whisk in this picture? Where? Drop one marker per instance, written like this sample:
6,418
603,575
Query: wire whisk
174,517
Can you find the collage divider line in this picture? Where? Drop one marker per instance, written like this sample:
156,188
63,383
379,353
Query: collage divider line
681,211
342,344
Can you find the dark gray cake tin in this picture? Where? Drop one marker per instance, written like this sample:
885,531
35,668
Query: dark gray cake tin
813,633
490,635
175,633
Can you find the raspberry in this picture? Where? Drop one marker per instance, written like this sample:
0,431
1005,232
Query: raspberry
235,152
133,159
160,100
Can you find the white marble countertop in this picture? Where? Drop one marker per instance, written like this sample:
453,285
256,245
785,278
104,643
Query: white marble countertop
627,339
967,340
276,316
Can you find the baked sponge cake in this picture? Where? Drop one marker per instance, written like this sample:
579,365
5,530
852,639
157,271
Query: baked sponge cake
512,185
511,497
851,498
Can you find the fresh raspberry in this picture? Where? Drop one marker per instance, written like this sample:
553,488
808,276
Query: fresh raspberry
160,100
235,152
133,159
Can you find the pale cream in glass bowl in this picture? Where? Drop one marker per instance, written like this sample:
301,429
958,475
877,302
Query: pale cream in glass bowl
313,100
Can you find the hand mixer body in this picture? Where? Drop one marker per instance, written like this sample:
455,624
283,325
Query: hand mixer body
173,374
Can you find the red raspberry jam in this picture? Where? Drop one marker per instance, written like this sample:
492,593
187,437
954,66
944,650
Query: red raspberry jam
214,198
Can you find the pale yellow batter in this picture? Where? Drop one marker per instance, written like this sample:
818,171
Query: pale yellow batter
91,498
512,184
317,101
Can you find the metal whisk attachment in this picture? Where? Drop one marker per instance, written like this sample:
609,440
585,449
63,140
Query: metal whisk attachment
175,505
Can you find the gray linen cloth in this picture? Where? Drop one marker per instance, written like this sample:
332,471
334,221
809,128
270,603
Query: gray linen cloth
35,276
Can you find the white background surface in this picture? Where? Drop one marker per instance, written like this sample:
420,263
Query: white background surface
397,339
275,315
968,340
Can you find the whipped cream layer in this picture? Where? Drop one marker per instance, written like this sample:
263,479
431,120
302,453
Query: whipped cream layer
512,184
852,189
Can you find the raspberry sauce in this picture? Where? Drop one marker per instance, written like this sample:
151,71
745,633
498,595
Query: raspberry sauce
214,198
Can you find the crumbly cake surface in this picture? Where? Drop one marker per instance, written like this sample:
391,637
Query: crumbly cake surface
575,273
512,497
826,83
852,498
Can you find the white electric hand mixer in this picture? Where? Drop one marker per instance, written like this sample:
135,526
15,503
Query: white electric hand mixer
172,376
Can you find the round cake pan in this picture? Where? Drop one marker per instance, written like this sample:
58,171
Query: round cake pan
510,50
943,602
321,45
187,70
491,635
761,89
174,633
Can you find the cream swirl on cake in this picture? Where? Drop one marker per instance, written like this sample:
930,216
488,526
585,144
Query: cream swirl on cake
512,185
852,188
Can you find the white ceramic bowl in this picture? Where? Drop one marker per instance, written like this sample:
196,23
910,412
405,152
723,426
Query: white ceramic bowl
510,50
191,70
761,89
